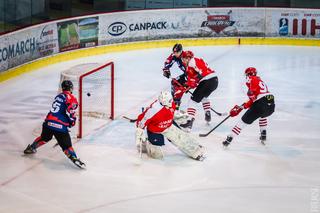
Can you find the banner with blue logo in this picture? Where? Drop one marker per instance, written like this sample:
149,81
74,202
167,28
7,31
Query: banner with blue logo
28,44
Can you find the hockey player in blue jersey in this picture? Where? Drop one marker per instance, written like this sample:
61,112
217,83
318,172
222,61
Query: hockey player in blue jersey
58,120
177,88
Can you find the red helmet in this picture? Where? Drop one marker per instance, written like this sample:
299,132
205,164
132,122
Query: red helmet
187,54
250,71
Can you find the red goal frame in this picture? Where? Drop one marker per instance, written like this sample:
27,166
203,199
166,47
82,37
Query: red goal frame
81,77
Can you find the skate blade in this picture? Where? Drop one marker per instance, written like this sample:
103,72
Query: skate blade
80,165
201,158
225,147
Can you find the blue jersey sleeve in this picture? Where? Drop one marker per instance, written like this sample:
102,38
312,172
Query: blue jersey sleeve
62,113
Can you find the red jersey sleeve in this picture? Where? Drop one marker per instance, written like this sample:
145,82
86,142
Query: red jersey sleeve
256,88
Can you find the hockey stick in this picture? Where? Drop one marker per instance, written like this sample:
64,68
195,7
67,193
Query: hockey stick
191,93
131,120
206,134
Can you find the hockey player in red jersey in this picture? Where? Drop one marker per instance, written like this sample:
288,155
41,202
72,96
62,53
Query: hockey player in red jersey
177,88
58,120
157,120
203,80
260,105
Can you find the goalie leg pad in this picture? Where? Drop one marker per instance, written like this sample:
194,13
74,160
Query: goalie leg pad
142,146
154,151
141,140
184,142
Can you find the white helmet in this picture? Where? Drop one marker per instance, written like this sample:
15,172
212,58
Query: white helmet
165,98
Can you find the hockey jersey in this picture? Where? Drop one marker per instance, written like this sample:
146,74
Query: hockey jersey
197,71
156,118
170,61
62,113
256,90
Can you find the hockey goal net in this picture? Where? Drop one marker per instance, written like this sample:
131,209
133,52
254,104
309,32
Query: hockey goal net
93,86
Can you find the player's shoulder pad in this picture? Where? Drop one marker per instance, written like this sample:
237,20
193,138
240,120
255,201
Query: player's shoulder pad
70,98
192,63
255,79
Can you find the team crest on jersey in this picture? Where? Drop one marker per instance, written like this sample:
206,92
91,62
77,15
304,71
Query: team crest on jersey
217,23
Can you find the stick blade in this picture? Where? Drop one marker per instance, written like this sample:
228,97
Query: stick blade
203,134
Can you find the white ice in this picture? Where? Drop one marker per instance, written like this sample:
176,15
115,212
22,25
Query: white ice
283,176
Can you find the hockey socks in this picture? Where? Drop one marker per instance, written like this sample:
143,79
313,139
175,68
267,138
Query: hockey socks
38,142
263,122
32,148
206,107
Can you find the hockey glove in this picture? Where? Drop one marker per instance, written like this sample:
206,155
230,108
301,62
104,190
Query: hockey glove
248,104
235,110
191,83
166,72
71,124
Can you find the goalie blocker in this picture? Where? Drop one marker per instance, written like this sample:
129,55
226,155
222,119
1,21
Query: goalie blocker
157,119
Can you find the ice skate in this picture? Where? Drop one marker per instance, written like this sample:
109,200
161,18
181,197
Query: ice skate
77,162
207,117
202,156
263,137
227,142
29,150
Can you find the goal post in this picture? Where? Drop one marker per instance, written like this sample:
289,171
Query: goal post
93,86
104,75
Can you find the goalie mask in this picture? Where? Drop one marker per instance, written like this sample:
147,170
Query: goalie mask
165,98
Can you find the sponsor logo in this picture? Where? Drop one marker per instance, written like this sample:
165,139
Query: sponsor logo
165,124
46,42
46,32
299,27
283,26
117,28
148,26
59,126
217,23
17,49
302,26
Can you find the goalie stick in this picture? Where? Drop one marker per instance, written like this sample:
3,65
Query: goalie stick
139,159
206,134
188,90
131,120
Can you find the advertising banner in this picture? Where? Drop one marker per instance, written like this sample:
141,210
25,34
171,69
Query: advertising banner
47,39
78,33
233,22
299,23
182,23
26,45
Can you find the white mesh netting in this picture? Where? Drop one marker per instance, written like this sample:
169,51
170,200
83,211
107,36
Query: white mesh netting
96,95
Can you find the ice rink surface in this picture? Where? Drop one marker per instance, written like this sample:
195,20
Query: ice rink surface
283,176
